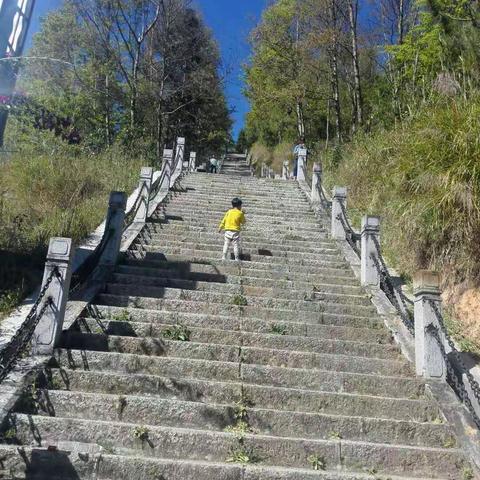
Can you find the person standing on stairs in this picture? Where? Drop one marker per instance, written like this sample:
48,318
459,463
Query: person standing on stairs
213,165
232,224
296,149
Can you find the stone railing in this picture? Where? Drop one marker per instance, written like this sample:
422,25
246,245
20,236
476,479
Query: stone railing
77,282
436,355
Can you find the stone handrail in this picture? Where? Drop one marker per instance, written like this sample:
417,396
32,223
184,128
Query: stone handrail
50,313
436,356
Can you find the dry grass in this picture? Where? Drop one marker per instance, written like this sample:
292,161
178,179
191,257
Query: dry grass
52,190
423,178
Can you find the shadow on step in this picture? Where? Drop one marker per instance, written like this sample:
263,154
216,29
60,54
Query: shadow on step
40,462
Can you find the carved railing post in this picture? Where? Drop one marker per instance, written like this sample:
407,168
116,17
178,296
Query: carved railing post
48,330
192,162
316,183
114,228
369,274
168,166
179,154
339,197
285,172
429,359
145,185
302,163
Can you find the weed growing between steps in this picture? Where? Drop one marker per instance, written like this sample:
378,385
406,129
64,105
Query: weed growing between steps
239,300
177,332
278,329
317,462
123,316
467,474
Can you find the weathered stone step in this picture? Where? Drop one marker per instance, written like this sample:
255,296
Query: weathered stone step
262,251
178,443
270,350
364,384
305,326
233,279
248,239
146,410
228,331
216,242
153,297
227,279
43,464
167,284
211,391
249,311
285,271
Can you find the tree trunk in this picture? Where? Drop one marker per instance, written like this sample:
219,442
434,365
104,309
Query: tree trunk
300,120
357,91
401,20
334,73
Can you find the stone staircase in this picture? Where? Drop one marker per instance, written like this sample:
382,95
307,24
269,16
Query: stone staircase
277,368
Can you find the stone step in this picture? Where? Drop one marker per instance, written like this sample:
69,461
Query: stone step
152,297
215,392
162,244
168,284
306,326
217,241
233,279
273,350
292,261
218,269
145,410
249,311
43,464
227,331
288,241
331,381
179,443
314,232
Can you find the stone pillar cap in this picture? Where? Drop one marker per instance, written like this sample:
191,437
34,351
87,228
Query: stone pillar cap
193,154
426,281
181,140
339,191
146,172
59,249
317,168
302,152
370,222
167,152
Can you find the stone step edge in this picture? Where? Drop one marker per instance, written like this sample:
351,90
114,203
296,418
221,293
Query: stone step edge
232,405
241,348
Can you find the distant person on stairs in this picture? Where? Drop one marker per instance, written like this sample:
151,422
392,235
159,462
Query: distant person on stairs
213,165
296,149
232,224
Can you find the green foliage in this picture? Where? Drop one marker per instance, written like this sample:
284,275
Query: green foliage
123,316
423,177
177,332
317,462
278,329
239,300
9,300
141,432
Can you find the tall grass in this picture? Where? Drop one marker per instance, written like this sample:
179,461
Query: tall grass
48,188
423,178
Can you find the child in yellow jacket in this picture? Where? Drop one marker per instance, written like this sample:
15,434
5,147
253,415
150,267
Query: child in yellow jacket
232,224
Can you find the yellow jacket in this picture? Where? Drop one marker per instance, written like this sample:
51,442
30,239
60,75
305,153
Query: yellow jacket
233,220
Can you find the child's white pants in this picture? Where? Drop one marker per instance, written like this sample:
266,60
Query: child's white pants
232,238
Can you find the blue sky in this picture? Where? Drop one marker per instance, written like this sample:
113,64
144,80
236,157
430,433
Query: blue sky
231,21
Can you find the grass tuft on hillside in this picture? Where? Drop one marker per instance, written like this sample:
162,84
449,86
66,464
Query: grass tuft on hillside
48,188
423,178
